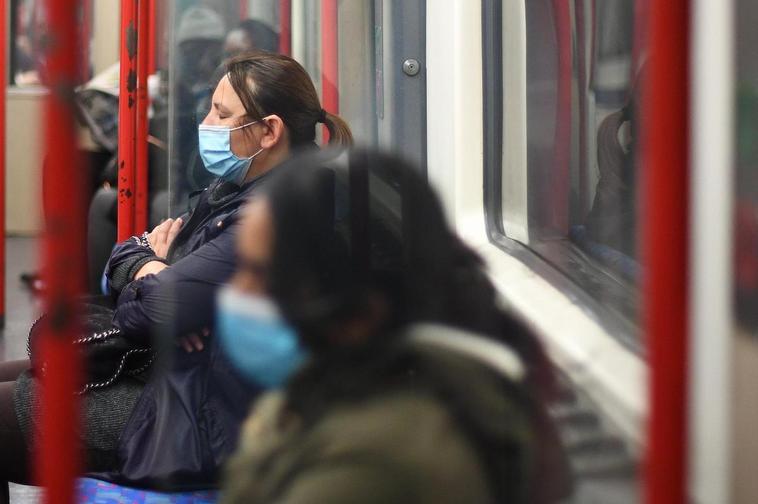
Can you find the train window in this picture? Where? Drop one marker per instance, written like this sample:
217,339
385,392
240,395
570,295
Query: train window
29,31
561,89
746,210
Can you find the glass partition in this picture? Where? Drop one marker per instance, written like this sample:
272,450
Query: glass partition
203,34
29,26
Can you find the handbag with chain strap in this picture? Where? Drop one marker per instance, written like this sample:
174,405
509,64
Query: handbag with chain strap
107,354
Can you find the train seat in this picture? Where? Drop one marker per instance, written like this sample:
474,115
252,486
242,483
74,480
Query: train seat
93,491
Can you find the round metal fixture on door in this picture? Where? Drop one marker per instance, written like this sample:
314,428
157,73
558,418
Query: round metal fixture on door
411,67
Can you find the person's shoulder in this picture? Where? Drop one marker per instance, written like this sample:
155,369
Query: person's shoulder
412,431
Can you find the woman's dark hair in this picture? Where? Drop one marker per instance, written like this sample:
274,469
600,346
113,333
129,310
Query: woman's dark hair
352,225
269,83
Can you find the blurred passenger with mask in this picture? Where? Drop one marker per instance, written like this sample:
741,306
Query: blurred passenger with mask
199,41
394,374
251,35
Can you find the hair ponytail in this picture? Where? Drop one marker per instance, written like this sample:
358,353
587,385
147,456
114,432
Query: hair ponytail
339,131
269,83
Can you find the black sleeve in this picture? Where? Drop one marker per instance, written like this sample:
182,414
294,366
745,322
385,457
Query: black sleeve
181,298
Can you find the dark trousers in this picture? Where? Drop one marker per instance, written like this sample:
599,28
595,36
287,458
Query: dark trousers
14,454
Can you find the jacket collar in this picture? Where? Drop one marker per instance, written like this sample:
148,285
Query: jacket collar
490,353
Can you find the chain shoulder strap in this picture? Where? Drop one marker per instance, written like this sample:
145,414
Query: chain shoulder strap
120,369
99,337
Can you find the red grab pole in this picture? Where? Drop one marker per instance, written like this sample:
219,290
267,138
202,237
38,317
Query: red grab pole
127,119
285,27
665,182
141,163
330,98
57,460
3,84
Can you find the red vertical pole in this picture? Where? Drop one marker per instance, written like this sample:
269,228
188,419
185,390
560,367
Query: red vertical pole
141,162
560,183
58,460
665,183
127,127
330,98
285,27
4,69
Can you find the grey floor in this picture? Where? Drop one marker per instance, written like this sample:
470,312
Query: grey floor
21,256
20,306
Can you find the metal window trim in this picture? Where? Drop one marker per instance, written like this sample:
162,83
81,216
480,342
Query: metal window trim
405,95
711,242
498,177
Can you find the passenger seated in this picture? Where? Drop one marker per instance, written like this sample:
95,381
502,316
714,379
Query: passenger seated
174,428
610,229
394,375
612,219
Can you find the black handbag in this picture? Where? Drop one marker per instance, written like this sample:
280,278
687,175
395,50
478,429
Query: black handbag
106,353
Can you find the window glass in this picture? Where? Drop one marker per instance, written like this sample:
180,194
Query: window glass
28,35
582,72
746,183
205,33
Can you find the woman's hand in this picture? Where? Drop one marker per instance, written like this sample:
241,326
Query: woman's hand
163,235
193,341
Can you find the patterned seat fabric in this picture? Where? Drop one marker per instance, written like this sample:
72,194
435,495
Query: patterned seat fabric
92,491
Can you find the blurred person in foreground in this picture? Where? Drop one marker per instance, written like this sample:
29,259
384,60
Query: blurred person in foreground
394,375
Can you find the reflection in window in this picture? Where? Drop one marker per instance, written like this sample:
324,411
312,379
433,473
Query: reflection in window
205,34
29,23
29,29
746,211
584,69
581,129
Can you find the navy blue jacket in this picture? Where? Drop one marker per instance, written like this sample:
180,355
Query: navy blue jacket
187,420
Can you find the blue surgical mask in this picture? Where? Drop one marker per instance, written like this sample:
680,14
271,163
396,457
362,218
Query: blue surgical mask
215,145
256,339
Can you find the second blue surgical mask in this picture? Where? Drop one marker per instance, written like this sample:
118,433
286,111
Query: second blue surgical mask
215,146
257,340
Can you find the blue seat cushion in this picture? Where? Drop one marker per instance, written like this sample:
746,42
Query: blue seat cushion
102,492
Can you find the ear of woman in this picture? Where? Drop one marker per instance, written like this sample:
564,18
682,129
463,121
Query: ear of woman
274,132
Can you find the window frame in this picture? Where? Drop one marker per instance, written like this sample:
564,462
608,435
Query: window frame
556,264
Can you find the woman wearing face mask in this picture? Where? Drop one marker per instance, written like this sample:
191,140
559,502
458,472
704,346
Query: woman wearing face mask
410,385
177,428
